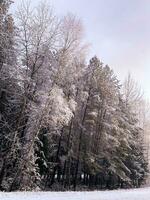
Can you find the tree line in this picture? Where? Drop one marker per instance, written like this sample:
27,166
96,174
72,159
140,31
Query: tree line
64,124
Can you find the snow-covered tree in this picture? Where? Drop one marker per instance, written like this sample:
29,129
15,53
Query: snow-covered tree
63,124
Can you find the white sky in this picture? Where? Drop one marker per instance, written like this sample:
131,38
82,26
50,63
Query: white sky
118,31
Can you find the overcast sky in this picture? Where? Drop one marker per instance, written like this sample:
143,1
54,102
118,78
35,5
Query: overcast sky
118,31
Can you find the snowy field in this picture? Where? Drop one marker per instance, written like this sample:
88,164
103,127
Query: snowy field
133,194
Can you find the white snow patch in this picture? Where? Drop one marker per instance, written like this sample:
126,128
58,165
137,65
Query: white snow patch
132,194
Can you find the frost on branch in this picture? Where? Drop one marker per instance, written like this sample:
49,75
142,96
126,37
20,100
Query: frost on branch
61,108
58,110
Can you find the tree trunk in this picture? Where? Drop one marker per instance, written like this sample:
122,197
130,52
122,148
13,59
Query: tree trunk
80,142
56,159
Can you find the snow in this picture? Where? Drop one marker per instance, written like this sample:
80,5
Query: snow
132,194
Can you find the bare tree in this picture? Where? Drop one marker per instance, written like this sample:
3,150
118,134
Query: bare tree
132,92
71,43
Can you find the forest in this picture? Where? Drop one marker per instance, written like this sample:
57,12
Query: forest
66,123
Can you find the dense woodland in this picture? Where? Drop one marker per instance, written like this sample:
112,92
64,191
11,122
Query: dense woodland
65,123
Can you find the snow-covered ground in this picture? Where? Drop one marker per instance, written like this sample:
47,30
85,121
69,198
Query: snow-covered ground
133,194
